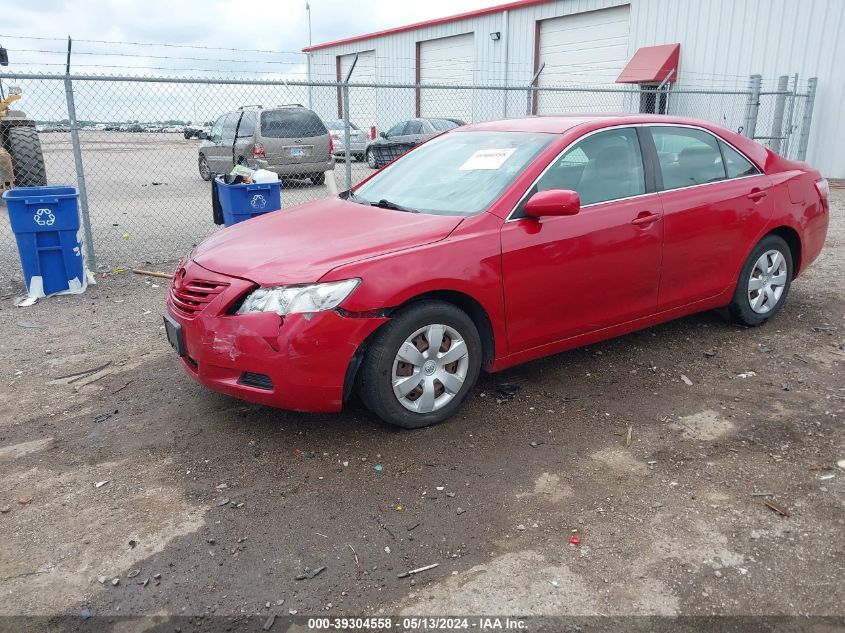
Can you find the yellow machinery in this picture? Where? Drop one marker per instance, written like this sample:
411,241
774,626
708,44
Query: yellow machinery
21,158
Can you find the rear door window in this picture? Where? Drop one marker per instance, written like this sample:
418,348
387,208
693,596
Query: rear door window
291,123
247,126
687,156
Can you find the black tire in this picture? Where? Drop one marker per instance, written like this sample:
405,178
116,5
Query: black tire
27,158
376,374
205,170
187,134
371,159
740,307
319,178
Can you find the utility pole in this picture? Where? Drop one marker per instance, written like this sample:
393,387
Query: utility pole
310,87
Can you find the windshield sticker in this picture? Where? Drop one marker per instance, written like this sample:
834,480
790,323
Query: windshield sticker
487,159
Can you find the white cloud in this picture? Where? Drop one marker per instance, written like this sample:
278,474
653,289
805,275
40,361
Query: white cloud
223,24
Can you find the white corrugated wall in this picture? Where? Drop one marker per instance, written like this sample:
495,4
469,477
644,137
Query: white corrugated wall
722,43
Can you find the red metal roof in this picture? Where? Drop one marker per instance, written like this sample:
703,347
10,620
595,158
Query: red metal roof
418,25
652,64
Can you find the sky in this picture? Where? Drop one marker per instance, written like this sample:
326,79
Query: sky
280,26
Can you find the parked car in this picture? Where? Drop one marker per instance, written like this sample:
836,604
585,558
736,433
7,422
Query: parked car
289,140
489,246
197,131
357,145
402,137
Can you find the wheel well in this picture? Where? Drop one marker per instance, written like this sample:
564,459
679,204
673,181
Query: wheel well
792,239
474,310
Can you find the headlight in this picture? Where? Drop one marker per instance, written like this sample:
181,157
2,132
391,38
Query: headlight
294,299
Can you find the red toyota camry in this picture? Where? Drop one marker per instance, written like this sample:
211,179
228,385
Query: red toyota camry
491,245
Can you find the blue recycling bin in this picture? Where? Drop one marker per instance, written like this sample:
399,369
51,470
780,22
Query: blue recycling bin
244,201
45,221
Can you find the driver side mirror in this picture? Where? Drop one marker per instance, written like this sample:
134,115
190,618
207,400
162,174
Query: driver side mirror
553,202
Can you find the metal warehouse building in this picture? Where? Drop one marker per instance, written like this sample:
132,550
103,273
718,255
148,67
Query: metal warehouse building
690,45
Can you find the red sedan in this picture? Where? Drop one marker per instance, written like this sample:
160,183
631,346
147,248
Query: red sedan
490,245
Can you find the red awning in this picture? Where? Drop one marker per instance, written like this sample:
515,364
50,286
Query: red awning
652,64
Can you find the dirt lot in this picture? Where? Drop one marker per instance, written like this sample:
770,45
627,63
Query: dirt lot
230,502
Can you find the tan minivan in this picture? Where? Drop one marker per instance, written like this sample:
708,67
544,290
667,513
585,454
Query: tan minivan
290,140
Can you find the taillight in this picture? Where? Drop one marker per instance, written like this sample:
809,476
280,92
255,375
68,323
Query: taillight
823,187
258,151
331,145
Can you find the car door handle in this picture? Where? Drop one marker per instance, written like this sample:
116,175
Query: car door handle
645,219
757,194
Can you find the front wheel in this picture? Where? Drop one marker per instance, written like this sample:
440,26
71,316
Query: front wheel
371,159
421,365
764,282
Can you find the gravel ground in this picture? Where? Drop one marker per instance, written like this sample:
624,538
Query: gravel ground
229,502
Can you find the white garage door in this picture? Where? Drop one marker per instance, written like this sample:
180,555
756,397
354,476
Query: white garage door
448,60
362,101
584,48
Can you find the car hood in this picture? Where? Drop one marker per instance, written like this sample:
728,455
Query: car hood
301,244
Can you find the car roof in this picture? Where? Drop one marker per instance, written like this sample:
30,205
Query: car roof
557,124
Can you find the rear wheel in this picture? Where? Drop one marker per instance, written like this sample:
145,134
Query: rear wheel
371,160
421,365
205,170
763,284
27,158
318,178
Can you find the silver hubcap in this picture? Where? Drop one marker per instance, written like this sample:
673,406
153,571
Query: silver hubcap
767,282
203,168
430,368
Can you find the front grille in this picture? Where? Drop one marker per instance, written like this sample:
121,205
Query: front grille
192,296
259,381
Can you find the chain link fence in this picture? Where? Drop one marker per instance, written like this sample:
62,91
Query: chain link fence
130,144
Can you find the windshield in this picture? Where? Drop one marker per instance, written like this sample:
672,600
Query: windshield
460,173
441,125
338,125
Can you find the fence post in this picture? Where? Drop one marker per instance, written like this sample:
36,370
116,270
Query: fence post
347,133
752,106
788,130
804,134
777,117
80,172
531,87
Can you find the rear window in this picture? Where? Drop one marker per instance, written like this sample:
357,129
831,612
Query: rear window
292,123
442,124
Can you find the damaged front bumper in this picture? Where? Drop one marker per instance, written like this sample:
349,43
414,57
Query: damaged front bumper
298,362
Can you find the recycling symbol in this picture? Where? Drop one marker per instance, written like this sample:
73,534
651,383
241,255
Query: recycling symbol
258,201
44,217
